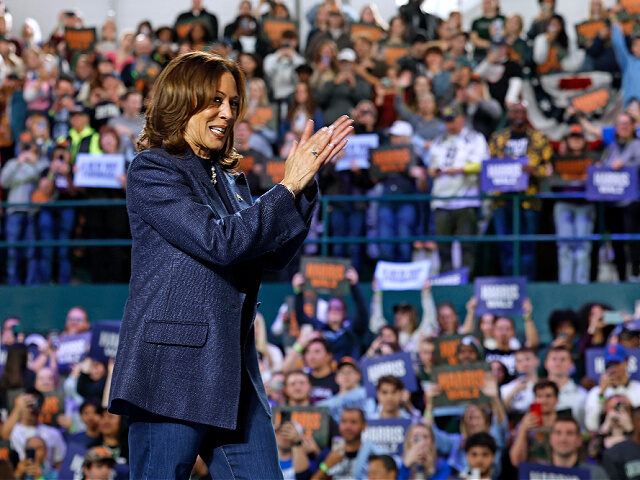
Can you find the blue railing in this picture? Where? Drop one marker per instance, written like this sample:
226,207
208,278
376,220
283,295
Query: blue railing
516,238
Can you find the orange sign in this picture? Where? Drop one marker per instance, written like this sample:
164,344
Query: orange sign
374,32
245,164
631,6
275,27
390,161
392,53
592,101
572,168
460,383
325,275
590,30
80,39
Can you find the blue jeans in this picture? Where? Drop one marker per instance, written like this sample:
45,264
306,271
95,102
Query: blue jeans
21,227
55,223
503,223
347,221
396,220
574,258
162,448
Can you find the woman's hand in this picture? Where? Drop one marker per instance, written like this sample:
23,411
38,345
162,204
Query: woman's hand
312,152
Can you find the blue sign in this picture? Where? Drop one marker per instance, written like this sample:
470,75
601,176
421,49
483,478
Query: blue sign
606,184
397,364
71,467
452,277
594,358
104,340
534,471
504,175
72,349
500,295
388,433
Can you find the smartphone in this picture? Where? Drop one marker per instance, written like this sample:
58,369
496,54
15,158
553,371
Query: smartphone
337,444
536,409
30,453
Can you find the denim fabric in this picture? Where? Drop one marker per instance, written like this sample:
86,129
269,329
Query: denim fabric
21,227
347,221
396,220
503,223
162,448
574,258
55,224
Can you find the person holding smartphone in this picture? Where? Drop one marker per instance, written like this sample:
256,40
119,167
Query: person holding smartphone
33,466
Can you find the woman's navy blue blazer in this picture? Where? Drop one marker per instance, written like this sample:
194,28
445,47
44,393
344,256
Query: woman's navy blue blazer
187,328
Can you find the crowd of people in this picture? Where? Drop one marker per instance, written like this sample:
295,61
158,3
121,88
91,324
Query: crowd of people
454,98
537,403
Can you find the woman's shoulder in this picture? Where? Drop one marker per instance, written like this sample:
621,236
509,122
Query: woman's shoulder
158,156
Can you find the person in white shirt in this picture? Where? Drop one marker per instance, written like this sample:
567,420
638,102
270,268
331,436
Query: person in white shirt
454,163
518,394
558,364
614,381
280,66
29,426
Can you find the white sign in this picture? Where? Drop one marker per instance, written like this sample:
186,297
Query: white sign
402,276
357,150
98,170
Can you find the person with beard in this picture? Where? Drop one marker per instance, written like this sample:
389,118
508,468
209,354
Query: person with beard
518,140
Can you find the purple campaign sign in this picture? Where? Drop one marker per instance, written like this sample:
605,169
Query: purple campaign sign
535,471
504,175
397,364
104,340
452,277
606,184
72,349
595,363
500,295
388,433
71,467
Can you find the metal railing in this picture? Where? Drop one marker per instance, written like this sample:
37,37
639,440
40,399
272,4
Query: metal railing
516,238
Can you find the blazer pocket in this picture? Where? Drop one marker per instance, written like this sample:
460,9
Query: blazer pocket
180,334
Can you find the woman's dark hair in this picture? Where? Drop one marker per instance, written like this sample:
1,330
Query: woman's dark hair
562,38
481,439
259,72
206,38
583,317
184,88
109,130
145,23
166,28
13,373
310,105
123,437
387,460
558,317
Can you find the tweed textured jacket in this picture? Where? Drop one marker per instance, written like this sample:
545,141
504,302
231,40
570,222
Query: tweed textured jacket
187,329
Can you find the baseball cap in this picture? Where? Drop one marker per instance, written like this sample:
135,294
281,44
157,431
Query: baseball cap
347,55
349,361
98,454
401,129
576,130
450,112
615,353
79,108
470,340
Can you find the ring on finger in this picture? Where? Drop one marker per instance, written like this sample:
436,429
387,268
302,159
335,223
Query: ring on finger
314,153
331,145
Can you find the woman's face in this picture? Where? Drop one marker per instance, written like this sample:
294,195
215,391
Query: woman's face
302,93
198,32
421,85
326,50
486,325
513,25
127,41
397,27
109,424
420,435
209,129
554,25
426,105
474,420
425,352
109,143
367,15
247,64
624,126
45,380
255,91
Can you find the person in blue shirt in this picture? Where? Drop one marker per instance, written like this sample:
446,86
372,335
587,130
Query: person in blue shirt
419,458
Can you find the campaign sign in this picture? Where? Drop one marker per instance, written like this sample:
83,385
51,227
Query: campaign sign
446,347
72,349
500,295
273,173
391,161
606,184
80,39
313,420
452,277
373,32
388,433
402,276
71,468
104,340
397,364
595,366
591,101
572,168
589,30
357,150
52,407
460,384
536,471
504,175
393,53
5,446
325,275
275,27
98,170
